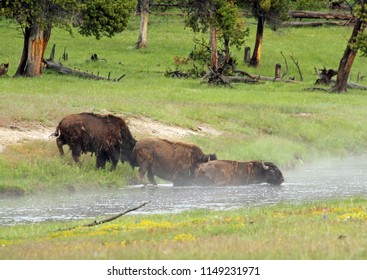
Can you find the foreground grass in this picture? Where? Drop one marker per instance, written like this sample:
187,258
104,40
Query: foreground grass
319,230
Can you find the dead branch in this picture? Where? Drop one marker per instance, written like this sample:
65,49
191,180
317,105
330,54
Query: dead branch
51,64
261,78
216,77
286,64
95,223
236,79
299,69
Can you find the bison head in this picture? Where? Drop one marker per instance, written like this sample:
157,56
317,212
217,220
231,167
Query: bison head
271,173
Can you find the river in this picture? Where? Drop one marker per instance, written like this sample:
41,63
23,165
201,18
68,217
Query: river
329,179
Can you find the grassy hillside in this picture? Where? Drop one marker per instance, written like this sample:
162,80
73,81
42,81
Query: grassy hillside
279,122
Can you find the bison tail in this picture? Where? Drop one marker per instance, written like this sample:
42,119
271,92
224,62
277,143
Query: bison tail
56,133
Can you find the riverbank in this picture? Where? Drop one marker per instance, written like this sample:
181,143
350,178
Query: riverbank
332,230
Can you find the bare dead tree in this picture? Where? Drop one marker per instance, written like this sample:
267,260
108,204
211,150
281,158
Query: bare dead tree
286,64
297,65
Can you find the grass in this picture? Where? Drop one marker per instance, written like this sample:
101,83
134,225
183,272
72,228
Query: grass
277,122
333,230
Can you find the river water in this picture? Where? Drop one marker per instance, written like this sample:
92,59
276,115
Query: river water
336,178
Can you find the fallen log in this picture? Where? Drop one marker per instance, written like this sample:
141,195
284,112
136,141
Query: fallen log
349,85
95,223
320,15
51,64
315,23
259,77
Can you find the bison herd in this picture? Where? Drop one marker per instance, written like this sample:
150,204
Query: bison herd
184,164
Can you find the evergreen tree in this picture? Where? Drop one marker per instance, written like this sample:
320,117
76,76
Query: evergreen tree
38,17
273,12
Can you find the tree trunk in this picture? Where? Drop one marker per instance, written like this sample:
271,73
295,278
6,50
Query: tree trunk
144,18
349,55
34,46
213,48
255,59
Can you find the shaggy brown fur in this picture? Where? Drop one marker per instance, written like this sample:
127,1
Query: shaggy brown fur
107,136
169,160
232,173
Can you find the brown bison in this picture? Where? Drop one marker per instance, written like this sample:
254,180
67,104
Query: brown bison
169,160
107,136
232,173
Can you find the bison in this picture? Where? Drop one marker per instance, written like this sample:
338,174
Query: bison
169,160
232,173
107,136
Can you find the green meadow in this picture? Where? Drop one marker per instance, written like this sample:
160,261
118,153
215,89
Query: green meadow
273,121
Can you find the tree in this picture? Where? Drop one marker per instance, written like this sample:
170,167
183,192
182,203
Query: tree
143,9
357,40
273,12
221,18
37,18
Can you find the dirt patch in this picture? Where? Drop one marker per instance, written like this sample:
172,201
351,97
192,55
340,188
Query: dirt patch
144,127
20,132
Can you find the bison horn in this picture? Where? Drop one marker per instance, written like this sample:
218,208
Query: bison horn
265,166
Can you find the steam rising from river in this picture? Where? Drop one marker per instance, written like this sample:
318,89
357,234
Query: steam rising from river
336,178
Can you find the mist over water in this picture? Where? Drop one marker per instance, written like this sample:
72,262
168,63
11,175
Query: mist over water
336,178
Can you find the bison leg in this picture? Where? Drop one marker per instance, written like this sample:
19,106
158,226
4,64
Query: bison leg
60,142
113,156
151,177
76,150
142,171
101,161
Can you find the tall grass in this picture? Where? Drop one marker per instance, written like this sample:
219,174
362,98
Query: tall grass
279,122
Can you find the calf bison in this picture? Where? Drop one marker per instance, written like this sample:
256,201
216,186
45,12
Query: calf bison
169,160
107,136
232,173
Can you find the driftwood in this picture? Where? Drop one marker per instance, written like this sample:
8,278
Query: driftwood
95,223
51,64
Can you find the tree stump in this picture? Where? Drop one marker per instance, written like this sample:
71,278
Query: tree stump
278,69
325,76
247,55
